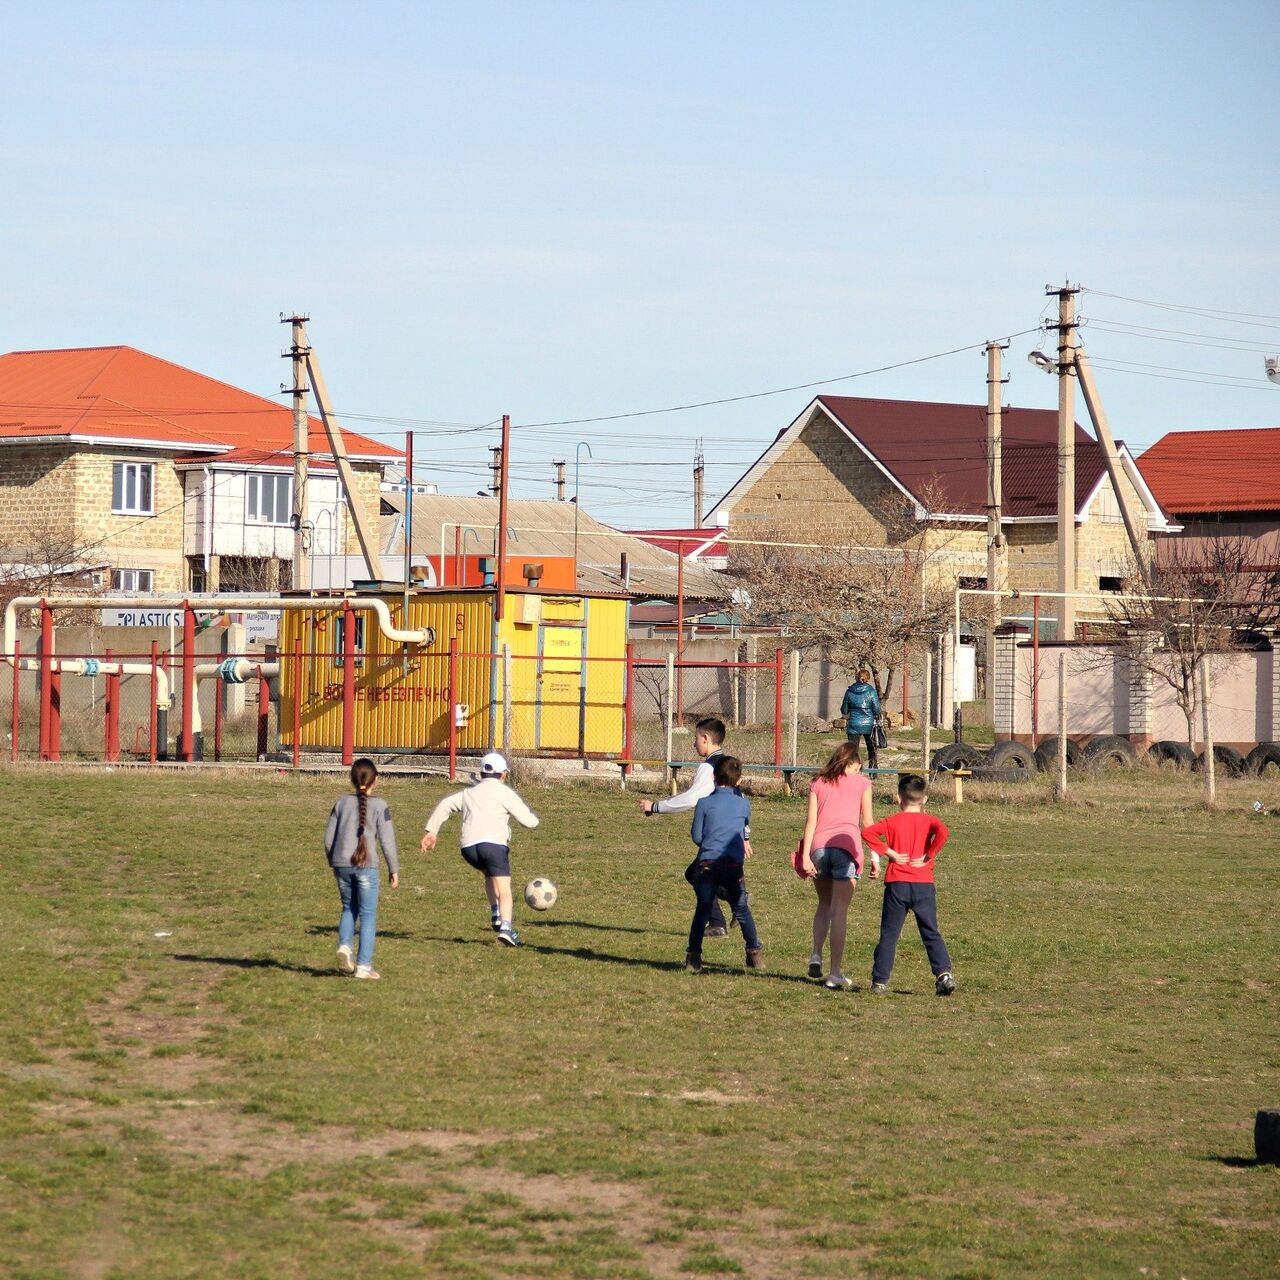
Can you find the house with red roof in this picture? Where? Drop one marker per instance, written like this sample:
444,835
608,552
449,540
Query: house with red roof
173,480
1219,483
707,547
828,475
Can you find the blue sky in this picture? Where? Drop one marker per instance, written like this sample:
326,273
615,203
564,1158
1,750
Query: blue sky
564,210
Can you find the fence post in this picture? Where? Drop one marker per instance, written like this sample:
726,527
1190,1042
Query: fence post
671,689
795,706
188,752
926,708
17,693
453,705
628,712
777,711
506,696
154,714
1060,788
112,707
264,714
49,692
349,683
1210,773
906,683
297,702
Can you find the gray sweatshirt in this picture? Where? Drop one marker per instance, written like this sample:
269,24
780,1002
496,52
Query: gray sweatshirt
341,836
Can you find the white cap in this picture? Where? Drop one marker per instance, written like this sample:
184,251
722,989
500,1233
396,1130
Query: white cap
493,764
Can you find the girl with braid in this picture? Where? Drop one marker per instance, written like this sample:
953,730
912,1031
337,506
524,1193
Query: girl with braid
358,825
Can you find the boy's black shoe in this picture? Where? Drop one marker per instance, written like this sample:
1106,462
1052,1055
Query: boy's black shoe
879,988
693,961
715,931
945,985
755,959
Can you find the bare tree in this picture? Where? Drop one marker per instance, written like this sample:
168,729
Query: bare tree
45,558
858,594
1200,596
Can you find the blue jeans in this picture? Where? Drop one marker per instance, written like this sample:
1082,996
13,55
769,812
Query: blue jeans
708,880
358,888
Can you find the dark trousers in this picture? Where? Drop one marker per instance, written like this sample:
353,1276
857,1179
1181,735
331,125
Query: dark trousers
870,740
901,896
716,918
711,879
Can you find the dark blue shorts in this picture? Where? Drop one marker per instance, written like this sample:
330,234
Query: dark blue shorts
492,859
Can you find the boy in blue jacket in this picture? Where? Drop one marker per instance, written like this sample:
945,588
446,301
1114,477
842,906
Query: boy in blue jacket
722,831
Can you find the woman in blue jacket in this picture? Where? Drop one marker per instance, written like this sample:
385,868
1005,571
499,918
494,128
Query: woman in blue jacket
862,706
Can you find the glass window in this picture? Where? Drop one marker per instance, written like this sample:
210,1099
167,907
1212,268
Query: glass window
132,580
268,499
132,488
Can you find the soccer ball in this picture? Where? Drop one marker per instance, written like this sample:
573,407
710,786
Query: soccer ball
541,894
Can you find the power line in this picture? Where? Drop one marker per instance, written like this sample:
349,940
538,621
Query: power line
1185,307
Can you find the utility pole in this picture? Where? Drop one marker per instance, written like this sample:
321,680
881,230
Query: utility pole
298,353
997,567
559,466
698,465
495,468
1066,457
504,484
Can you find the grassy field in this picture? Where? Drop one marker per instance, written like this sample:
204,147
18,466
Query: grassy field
192,1091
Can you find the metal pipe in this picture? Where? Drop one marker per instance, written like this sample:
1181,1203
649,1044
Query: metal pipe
17,693
348,686
408,544
1035,673
189,714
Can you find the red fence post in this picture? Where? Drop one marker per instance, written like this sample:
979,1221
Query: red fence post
46,676
297,702
452,710
17,693
112,705
349,683
188,752
777,708
1035,675
629,711
155,696
264,713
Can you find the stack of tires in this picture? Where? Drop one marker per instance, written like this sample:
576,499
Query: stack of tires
1011,761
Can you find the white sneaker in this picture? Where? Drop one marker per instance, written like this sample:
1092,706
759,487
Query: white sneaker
815,965
346,961
837,982
366,971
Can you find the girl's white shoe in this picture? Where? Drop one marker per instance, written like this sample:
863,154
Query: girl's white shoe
346,961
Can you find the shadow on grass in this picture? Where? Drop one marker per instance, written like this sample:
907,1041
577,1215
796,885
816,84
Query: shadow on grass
587,924
320,930
259,962
1236,1162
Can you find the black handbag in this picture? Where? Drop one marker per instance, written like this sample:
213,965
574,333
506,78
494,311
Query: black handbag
879,737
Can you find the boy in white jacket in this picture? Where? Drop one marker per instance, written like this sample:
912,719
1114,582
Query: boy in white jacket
487,809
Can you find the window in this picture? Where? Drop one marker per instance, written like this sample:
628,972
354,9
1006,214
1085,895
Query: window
132,580
131,488
971,584
339,621
268,499
1110,584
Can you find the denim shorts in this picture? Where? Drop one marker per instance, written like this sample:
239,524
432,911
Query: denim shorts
492,859
834,864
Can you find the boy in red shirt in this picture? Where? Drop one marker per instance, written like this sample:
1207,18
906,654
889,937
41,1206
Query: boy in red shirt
911,840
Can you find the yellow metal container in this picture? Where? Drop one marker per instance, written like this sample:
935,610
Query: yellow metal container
550,677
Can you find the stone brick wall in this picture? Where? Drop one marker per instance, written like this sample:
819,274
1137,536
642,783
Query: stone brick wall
37,489
367,477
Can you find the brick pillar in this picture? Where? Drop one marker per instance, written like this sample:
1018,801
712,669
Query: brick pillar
1140,694
1007,639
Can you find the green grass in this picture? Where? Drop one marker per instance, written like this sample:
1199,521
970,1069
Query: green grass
215,1102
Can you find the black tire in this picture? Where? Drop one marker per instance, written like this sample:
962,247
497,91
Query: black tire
1171,752
955,755
1110,751
1227,758
1266,755
1010,755
1047,755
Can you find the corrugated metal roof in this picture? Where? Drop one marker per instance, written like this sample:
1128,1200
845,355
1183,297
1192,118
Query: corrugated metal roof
1211,472
546,529
120,393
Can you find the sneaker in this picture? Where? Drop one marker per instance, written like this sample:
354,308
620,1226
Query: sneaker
838,982
495,921
815,965
879,988
693,961
715,931
755,960
365,972
508,936
346,961
945,985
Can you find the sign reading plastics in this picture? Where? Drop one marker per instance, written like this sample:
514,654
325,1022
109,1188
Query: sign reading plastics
142,617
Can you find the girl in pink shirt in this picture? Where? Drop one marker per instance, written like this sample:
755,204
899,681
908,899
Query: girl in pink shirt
839,807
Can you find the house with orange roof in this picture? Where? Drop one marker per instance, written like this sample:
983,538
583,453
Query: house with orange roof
170,480
1218,483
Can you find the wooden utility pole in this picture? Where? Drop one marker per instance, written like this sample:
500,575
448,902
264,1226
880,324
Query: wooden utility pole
559,466
1066,458
298,353
997,574
504,484
698,467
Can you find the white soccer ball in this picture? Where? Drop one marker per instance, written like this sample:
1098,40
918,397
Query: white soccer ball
541,894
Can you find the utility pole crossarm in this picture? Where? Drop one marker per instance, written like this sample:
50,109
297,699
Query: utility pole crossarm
338,447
